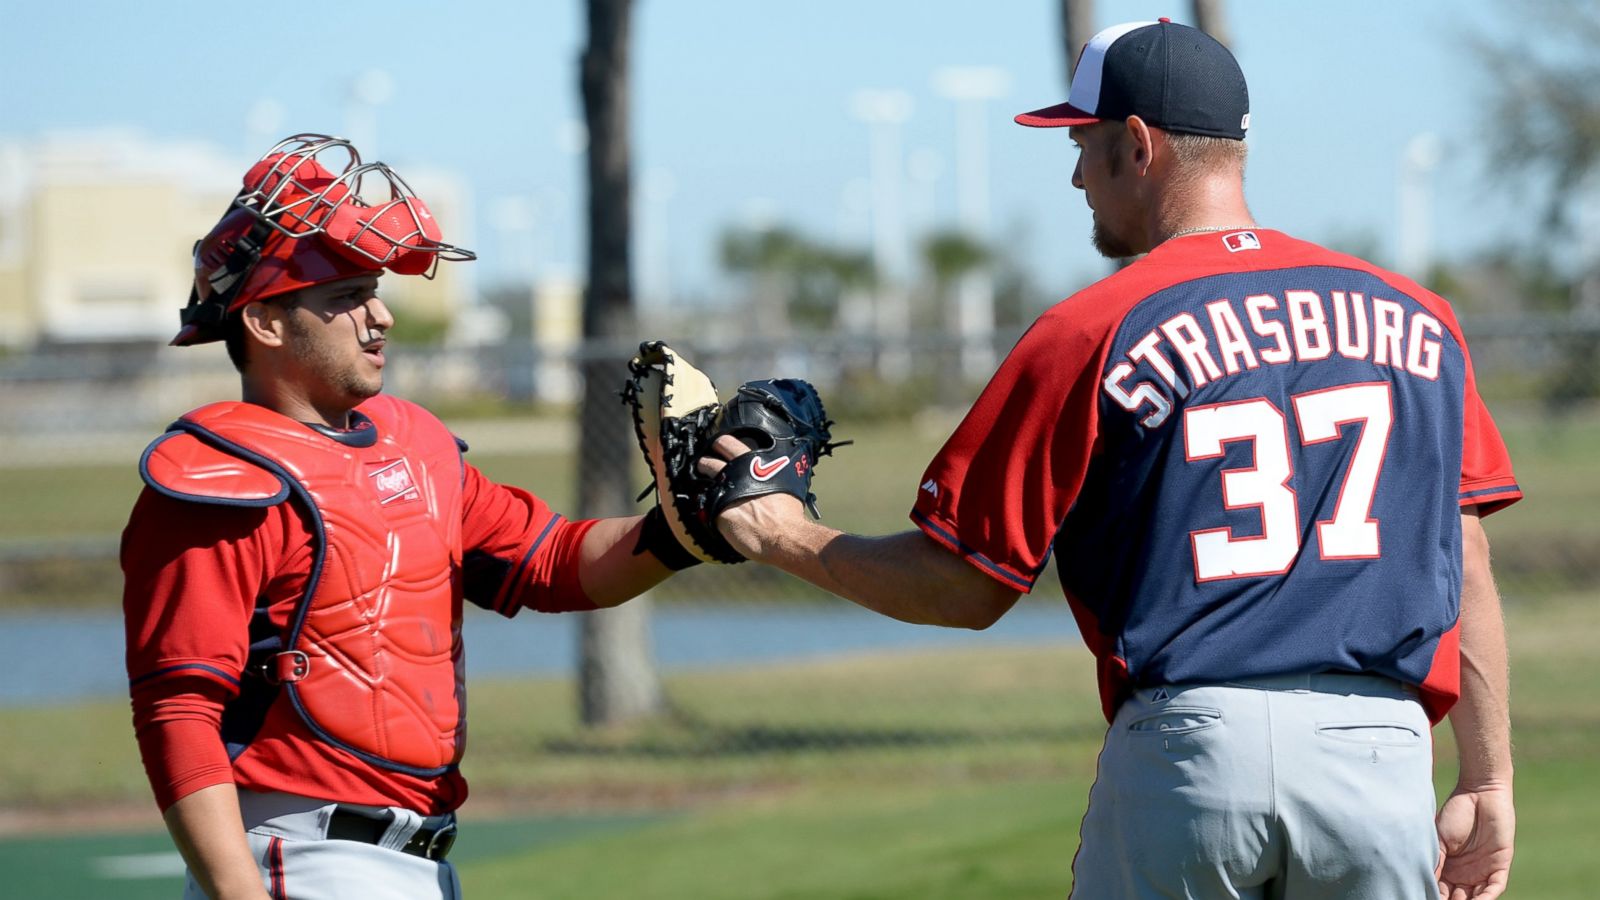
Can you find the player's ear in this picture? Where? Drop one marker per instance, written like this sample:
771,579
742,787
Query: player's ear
263,323
1139,143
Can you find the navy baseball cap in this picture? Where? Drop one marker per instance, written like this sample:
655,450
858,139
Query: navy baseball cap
1172,76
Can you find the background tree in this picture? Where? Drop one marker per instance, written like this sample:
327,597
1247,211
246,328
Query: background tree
1544,109
617,677
1544,127
949,255
793,279
765,258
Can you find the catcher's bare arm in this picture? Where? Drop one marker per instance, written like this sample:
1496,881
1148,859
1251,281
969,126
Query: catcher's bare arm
1477,823
907,576
610,570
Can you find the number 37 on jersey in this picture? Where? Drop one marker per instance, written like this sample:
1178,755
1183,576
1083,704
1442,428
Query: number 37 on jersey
1308,431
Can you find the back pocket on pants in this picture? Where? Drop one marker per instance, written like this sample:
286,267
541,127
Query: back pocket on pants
1371,734
1177,720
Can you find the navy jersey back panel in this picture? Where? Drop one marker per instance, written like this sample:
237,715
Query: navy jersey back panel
1124,550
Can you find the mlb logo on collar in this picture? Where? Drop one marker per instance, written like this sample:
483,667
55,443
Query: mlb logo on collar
1241,240
392,480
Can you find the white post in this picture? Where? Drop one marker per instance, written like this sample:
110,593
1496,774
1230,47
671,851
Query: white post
971,87
854,219
1414,221
368,91
884,111
262,125
655,255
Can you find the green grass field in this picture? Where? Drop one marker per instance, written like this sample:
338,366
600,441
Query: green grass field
931,774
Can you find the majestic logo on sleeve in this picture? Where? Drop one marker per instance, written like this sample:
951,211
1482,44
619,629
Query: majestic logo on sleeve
393,482
762,470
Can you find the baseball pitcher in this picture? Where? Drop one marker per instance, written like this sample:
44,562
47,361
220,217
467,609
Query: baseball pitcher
1262,467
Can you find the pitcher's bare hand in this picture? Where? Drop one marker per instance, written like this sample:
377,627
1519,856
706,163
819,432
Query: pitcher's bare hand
752,524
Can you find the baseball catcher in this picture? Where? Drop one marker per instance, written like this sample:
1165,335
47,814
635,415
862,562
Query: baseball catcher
299,562
677,416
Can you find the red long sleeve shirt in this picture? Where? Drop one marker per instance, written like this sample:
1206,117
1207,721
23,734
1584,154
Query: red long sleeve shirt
193,576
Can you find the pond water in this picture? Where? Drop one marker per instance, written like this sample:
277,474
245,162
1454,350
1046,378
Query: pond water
56,658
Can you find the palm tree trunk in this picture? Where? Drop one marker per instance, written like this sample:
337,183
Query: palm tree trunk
1077,26
617,677
1208,18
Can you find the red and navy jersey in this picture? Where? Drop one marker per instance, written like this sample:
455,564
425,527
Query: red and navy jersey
1249,455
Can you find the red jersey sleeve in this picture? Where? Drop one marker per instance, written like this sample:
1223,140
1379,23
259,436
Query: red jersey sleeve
191,575
1487,481
999,489
517,552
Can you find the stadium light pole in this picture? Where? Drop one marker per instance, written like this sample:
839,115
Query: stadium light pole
924,169
263,124
853,219
883,112
971,88
368,91
1414,225
657,188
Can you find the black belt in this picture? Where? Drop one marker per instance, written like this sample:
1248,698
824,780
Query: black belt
433,839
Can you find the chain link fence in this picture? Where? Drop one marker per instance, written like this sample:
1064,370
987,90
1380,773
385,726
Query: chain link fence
768,682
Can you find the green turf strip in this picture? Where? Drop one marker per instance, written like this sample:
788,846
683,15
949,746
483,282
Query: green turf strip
1013,839
140,866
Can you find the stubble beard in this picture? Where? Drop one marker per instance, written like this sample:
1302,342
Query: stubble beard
343,377
1109,245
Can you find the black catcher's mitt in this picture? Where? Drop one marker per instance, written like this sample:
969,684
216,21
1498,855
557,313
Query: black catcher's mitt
783,423
675,412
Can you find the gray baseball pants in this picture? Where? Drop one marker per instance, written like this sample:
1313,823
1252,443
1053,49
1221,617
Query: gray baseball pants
1306,787
287,834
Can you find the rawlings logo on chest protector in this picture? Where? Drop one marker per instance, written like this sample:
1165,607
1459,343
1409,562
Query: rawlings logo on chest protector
393,482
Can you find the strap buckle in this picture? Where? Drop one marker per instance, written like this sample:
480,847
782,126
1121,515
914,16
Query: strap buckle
438,846
287,667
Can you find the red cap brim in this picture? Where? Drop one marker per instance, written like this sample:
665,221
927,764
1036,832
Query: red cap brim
1062,115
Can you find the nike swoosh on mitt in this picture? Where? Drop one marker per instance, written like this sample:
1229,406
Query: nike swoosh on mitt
763,471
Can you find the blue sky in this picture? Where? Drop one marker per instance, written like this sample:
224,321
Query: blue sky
743,108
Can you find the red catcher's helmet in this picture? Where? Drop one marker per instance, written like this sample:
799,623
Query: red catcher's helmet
295,224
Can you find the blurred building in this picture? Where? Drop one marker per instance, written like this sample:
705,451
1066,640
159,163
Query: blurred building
557,331
96,230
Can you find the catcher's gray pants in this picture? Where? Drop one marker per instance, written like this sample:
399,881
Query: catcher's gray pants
1302,787
287,834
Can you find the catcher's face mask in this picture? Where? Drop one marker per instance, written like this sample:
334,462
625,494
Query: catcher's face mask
296,224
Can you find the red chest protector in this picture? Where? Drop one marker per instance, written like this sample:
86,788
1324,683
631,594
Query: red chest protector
371,660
